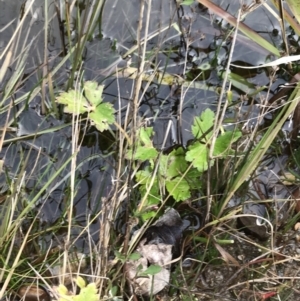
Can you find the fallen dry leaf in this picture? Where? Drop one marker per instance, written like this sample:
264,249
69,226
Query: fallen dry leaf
226,256
158,246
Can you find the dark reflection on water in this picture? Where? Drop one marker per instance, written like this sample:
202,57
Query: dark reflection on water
168,50
44,155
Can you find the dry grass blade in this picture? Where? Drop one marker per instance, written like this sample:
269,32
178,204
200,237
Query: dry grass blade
17,30
86,27
294,6
226,256
15,263
282,60
285,16
75,150
101,224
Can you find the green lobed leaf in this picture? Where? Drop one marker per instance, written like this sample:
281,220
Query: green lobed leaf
145,135
144,149
153,197
145,153
193,178
120,256
203,125
62,290
178,188
144,179
224,141
142,176
103,116
75,102
173,164
177,164
152,270
147,215
93,92
198,155
88,293
80,282
100,114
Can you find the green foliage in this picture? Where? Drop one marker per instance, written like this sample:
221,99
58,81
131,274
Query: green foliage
123,258
143,177
179,188
90,101
151,270
202,127
222,145
179,172
87,292
202,130
198,155
173,164
185,2
175,174
144,148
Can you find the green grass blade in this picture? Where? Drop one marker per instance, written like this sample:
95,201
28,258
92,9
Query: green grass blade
287,17
262,147
294,6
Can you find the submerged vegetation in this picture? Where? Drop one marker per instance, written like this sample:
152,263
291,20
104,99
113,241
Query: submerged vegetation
108,120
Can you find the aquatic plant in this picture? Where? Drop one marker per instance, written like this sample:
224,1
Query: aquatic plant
88,99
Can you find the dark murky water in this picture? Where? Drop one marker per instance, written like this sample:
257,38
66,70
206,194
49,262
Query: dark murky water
46,153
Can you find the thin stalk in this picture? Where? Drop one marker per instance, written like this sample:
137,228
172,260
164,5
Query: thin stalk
45,65
134,110
15,263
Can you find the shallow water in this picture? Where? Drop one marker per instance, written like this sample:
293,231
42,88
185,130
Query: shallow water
204,44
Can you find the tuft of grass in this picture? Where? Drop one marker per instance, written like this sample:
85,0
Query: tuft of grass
25,254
